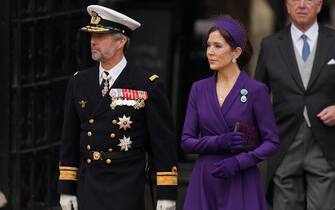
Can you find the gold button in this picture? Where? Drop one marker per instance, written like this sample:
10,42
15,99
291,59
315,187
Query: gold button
89,133
112,135
96,155
91,121
108,161
114,122
110,150
88,161
88,147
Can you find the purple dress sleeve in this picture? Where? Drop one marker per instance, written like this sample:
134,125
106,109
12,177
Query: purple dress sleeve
191,142
266,123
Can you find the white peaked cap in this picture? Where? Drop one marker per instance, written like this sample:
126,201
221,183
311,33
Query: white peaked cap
105,20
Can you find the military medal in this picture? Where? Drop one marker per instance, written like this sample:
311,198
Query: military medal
124,122
139,104
113,104
125,143
128,97
104,90
106,77
244,93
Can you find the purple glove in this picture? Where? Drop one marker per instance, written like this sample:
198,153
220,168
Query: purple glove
226,168
232,141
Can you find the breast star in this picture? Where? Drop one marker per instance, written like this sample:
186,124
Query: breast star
125,143
124,122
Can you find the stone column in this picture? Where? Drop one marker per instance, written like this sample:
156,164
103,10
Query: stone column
261,25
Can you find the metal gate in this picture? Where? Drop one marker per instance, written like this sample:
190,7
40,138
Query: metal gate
42,49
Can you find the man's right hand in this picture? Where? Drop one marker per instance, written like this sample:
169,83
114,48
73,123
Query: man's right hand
68,201
327,115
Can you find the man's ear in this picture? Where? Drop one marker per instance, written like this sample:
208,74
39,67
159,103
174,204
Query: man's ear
122,42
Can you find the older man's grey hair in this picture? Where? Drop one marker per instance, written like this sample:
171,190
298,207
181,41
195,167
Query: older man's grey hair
118,36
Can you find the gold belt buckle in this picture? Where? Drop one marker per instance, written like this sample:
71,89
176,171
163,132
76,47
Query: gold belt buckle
96,155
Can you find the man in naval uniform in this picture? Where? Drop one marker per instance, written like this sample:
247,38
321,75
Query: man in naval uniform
115,115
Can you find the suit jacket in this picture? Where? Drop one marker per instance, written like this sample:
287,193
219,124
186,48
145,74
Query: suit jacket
278,68
93,165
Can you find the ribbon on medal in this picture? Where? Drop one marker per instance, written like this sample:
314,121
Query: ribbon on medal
128,97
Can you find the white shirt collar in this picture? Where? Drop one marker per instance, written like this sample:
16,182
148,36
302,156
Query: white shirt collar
312,35
113,72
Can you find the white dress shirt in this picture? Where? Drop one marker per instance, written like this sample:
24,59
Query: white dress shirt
312,37
113,72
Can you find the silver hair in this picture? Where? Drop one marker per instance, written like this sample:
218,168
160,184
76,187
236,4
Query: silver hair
119,36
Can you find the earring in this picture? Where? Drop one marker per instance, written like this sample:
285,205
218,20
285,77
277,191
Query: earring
233,60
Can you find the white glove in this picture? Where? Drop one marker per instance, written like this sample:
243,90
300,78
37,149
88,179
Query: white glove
68,201
3,200
166,205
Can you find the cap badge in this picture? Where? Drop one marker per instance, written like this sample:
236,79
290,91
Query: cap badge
95,18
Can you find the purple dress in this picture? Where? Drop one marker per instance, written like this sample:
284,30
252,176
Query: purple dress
205,120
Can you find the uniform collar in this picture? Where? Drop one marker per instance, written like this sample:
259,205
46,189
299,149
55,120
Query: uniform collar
115,71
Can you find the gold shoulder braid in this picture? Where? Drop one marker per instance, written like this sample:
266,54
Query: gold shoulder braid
167,178
153,77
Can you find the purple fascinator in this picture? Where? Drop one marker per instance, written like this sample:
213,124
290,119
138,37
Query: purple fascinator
233,27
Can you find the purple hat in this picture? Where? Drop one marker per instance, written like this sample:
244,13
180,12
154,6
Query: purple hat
233,27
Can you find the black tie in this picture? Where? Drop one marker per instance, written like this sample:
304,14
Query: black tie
105,83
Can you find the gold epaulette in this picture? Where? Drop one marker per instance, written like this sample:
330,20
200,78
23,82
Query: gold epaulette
167,178
153,77
68,173
75,73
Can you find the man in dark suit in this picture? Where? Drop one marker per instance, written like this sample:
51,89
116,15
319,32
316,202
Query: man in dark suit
115,115
298,64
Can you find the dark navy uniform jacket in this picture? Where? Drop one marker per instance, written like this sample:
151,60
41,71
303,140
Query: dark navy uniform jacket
93,165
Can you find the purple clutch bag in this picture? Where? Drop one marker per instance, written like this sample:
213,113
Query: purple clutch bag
251,135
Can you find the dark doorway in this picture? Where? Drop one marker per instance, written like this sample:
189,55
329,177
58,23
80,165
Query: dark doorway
42,49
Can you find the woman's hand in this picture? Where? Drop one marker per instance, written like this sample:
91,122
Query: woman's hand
226,168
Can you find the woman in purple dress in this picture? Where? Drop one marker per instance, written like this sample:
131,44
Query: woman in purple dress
230,123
